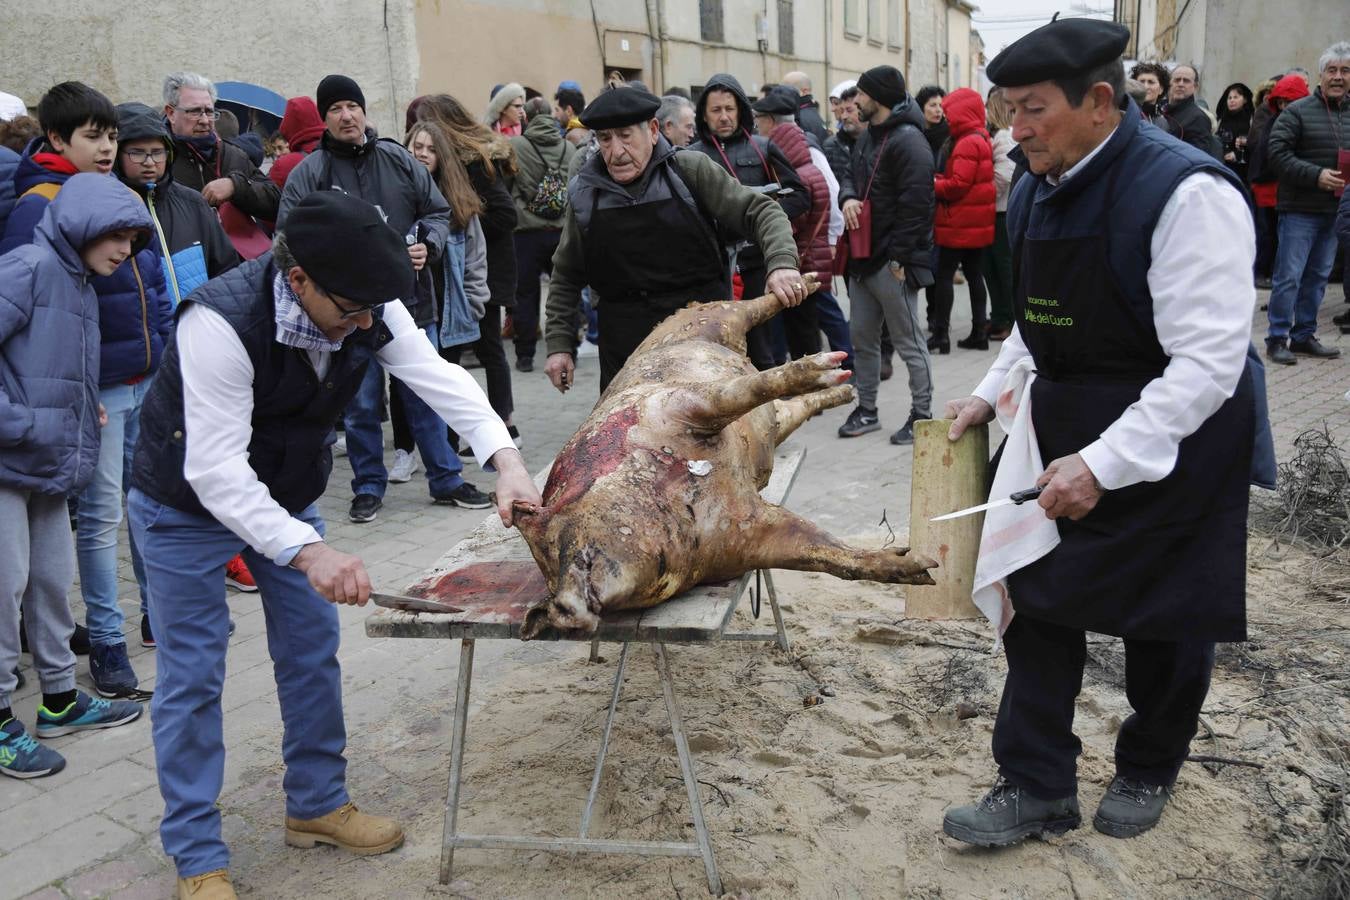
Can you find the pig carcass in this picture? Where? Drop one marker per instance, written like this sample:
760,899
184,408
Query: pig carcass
658,490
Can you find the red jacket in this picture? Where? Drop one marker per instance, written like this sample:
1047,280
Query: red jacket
811,228
302,128
965,187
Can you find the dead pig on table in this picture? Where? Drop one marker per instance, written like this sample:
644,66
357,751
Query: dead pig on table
658,491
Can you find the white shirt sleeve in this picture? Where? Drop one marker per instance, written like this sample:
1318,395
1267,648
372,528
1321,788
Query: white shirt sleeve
836,226
1012,350
445,387
217,417
1203,249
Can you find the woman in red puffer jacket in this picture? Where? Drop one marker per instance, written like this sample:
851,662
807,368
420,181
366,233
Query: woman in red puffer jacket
964,224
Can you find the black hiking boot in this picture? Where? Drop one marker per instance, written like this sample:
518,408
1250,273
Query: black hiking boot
1007,815
1130,807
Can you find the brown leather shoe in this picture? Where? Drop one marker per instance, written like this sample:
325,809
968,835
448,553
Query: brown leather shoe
346,827
207,886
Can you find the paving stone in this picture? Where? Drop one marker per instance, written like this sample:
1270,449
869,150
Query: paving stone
60,853
73,799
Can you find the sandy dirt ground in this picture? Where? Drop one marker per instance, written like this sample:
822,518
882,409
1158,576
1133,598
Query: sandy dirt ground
825,770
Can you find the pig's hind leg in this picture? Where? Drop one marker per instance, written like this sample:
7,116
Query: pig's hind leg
779,539
714,406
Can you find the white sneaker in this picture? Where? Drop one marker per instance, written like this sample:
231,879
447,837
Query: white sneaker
405,464
340,445
587,349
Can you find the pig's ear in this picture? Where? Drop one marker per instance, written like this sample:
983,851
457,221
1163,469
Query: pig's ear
536,621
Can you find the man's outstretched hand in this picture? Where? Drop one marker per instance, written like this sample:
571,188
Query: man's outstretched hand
513,482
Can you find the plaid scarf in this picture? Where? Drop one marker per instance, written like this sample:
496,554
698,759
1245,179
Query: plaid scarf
294,326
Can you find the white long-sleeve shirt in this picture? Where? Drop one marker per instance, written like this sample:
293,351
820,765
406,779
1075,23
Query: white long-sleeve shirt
218,412
1202,247
836,226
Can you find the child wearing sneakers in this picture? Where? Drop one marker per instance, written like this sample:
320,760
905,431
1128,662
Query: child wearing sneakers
49,437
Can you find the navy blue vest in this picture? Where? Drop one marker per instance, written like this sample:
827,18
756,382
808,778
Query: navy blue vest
1124,189
293,411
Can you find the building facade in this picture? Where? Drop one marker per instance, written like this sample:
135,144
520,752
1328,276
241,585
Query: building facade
397,49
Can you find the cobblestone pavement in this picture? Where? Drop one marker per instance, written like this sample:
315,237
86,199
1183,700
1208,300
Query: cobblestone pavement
91,830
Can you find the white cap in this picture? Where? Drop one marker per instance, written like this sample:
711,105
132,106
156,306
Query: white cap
838,90
11,107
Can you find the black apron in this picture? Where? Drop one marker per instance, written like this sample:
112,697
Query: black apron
1156,560
646,261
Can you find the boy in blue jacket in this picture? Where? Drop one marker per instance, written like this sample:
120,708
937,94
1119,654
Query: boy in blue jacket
79,127
49,445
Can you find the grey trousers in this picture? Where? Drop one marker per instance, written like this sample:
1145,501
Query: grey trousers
37,568
871,299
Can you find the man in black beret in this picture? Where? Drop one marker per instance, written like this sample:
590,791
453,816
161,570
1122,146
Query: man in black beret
646,227
234,455
1129,385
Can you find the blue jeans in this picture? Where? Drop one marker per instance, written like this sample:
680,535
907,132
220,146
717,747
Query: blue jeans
831,320
365,438
100,513
1303,259
184,554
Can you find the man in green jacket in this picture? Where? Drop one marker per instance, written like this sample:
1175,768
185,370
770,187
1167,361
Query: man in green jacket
646,228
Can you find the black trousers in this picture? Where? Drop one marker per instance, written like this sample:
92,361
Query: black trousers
488,349
534,257
1034,744
792,334
970,261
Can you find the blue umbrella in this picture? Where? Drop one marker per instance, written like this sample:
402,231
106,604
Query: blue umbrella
257,108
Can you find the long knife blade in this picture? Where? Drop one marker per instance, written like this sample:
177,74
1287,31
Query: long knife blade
412,604
1015,499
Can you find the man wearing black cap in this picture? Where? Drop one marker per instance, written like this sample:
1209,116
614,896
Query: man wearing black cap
233,455
1128,371
352,159
890,173
645,228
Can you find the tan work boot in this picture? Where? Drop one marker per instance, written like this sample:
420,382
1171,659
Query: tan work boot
207,886
348,828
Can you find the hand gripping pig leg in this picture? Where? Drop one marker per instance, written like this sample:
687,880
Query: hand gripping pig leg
749,313
791,414
778,539
717,405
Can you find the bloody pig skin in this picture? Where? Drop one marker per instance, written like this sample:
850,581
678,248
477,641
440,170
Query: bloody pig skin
658,490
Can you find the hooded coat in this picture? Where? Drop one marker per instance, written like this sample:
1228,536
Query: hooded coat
540,150
135,311
498,217
811,229
752,160
1260,172
303,128
965,190
902,193
195,245
49,339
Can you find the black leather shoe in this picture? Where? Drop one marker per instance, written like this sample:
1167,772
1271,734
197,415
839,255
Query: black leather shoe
1008,815
364,508
1313,347
1130,807
976,341
1278,352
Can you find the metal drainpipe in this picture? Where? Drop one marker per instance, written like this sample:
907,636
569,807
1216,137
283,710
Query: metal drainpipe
658,52
829,42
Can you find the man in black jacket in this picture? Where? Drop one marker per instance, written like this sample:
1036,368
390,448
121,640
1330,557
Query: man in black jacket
891,172
726,131
1309,146
202,161
808,114
839,146
1186,120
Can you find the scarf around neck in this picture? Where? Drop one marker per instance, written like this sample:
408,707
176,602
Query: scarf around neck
294,326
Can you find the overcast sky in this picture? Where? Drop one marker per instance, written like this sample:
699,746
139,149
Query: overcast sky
1000,22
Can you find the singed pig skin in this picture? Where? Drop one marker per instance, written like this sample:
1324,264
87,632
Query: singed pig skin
658,490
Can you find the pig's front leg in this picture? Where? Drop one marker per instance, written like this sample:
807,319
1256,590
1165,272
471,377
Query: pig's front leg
714,406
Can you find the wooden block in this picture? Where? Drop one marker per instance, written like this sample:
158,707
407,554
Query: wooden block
947,476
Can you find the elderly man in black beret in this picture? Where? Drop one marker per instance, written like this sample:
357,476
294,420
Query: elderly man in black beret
1130,386
646,228
234,454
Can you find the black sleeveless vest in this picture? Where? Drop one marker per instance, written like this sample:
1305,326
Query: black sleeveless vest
293,411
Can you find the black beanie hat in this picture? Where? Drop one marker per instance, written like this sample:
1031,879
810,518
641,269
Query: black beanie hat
334,88
344,244
883,84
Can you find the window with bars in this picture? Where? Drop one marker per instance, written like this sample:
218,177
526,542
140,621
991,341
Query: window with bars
710,20
874,20
786,28
851,13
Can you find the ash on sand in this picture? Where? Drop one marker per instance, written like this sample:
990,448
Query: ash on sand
843,795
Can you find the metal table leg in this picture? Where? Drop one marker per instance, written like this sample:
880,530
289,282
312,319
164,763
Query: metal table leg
687,769
777,613
604,742
595,650
460,725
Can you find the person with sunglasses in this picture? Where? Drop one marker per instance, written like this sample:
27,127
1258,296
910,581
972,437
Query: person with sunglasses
221,171
235,452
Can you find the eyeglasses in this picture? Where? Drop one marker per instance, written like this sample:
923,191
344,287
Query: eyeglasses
140,156
348,313
200,112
